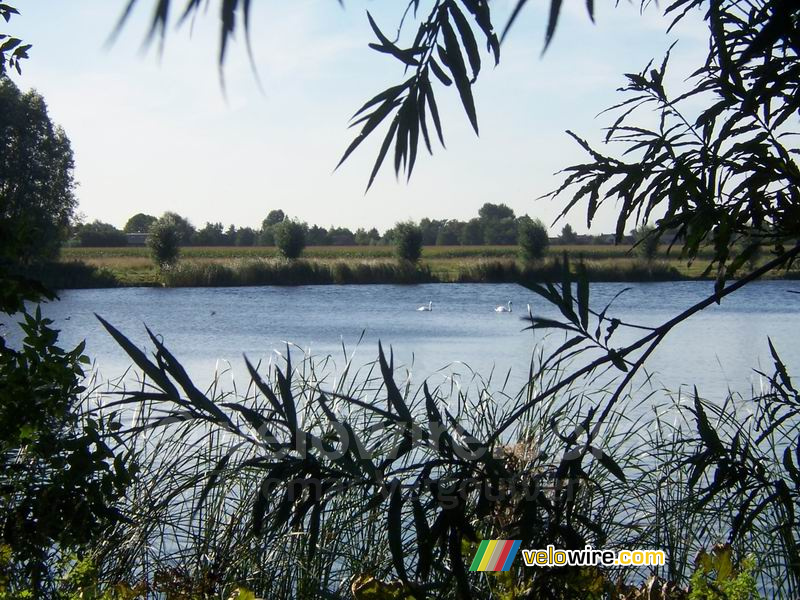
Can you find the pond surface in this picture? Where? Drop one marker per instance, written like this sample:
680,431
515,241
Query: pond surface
716,350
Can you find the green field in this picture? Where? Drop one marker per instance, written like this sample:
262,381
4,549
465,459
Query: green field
133,266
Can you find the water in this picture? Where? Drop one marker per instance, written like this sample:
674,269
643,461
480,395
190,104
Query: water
716,350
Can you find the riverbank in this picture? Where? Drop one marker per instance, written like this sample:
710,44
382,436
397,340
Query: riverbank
245,266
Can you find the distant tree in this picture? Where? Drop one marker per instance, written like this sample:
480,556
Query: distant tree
533,239
361,237
229,239
341,236
450,233
273,218
98,234
472,233
568,235
36,178
495,212
500,231
408,241
318,236
164,241
245,236
290,238
210,235
139,223
266,237
430,230
647,239
185,229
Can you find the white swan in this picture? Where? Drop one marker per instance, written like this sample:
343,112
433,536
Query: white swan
426,308
506,308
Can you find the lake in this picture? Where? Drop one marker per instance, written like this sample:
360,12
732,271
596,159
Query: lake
717,350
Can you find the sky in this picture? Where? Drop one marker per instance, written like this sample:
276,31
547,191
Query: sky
154,130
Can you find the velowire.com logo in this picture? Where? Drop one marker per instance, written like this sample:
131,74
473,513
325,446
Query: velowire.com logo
495,555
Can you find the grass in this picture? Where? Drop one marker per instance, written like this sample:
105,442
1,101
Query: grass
220,266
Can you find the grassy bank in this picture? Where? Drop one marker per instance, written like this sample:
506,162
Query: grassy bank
231,266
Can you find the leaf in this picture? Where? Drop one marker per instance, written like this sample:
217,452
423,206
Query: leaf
459,71
704,428
467,39
395,530
583,296
609,463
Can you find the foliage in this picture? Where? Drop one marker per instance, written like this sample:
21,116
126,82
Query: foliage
164,241
533,239
568,235
59,478
185,230
12,49
720,175
726,583
408,242
98,234
139,223
647,241
36,177
290,238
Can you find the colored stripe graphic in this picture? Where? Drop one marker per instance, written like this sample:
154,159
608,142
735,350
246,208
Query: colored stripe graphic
479,555
495,555
487,555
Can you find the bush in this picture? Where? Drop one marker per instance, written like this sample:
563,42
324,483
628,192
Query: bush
408,241
164,242
290,238
533,239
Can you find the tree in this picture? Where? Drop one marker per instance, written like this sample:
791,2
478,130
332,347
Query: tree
341,236
568,235
273,218
98,234
318,236
647,239
36,178
185,230
408,241
210,235
164,241
472,233
533,240
450,233
290,238
139,223
495,212
245,236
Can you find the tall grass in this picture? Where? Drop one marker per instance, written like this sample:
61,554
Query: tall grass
320,478
295,272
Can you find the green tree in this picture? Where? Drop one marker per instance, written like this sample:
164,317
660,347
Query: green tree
533,239
647,240
568,235
495,212
408,241
36,178
273,218
245,236
59,480
185,230
139,223
99,234
164,241
472,233
290,238
210,235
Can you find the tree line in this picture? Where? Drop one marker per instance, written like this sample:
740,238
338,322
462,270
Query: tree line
496,224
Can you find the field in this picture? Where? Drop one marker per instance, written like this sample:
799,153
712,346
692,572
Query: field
133,266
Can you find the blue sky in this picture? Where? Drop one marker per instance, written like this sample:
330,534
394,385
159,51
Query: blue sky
154,132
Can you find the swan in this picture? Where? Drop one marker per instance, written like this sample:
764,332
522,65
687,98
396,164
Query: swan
427,308
506,308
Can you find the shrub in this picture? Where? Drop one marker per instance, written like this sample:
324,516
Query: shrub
290,238
164,242
408,241
533,239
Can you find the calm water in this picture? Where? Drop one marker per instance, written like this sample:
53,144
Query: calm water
204,327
